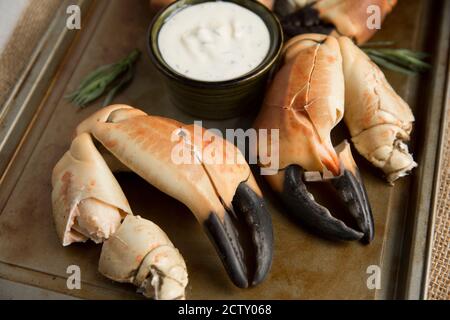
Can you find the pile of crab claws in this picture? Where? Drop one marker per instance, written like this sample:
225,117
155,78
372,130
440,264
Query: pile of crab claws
247,204
348,186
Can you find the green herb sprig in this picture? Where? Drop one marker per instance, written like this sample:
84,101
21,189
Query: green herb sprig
400,60
109,80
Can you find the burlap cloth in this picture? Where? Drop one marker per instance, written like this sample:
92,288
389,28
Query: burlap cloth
439,277
35,21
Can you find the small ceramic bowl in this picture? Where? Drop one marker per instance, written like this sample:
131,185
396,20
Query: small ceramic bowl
221,99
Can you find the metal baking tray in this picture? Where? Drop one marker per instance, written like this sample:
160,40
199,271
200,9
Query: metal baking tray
36,126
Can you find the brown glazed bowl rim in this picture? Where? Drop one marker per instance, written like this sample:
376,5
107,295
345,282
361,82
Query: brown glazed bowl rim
275,48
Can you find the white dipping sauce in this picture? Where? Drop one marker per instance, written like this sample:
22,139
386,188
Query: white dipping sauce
214,41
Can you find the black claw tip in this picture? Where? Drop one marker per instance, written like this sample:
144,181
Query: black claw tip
252,207
305,20
352,191
302,206
223,233
225,240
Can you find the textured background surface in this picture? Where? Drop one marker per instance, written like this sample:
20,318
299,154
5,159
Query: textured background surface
439,285
21,27
11,13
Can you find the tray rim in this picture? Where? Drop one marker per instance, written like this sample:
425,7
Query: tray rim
444,42
416,252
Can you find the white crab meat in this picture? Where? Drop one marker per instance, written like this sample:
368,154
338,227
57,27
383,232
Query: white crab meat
88,202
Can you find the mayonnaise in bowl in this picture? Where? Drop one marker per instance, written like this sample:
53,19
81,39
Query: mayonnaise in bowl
214,41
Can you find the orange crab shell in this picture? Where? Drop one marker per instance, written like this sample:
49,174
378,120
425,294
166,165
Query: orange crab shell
295,103
351,17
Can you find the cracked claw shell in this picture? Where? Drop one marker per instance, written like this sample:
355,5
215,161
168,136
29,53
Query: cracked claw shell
310,89
211,190
304,102
141,253
87,200
379,120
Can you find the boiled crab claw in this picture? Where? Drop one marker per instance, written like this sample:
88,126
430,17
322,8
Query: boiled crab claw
142,254
379,120
350,18
178,160
304,102
88,203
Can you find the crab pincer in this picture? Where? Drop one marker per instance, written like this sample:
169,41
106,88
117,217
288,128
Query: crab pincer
200,169
304,102
348,186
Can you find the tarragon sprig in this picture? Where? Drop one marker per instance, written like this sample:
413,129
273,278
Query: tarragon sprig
109,80
400,60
